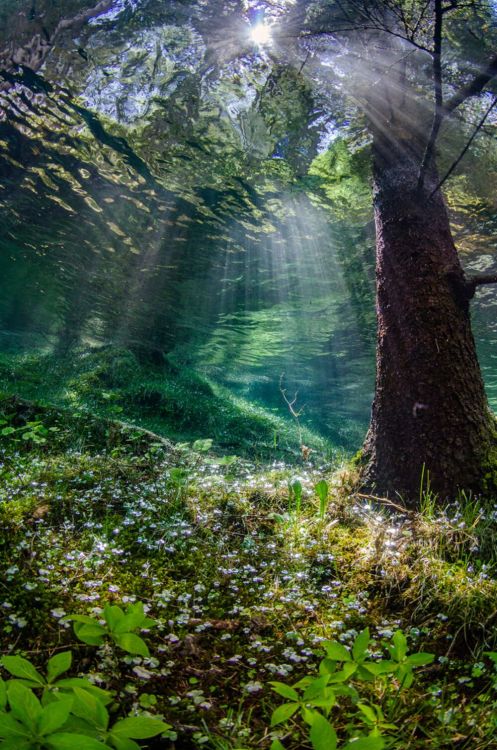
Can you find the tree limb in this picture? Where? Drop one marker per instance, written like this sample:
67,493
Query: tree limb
480,280
473,88
466,147
438,113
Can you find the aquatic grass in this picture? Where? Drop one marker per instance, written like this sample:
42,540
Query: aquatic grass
167,399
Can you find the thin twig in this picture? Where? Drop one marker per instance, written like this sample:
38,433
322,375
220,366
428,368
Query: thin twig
386,501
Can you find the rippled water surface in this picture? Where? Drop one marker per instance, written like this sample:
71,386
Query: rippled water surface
167,186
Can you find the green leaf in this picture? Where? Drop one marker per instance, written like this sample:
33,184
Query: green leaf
420,659
283,713
67,741
54,716
93,634
399,648
3,694
19,667
10,727
132,643
139,727
69,683
89,708
24,704
361,644
8,431
113,615
58,664
315,688
134,618
322,734
79,618
380,667
285,691
336,651
202,445
369,713
276,745
15,743
123,743
365,743
349,668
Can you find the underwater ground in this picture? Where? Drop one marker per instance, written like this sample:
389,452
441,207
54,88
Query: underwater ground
256,573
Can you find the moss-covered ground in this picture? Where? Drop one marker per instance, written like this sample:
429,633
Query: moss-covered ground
243,587
167,398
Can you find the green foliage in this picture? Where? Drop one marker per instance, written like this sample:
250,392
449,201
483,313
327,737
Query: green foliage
321,490
78,720
295,496
71,713
119,628
33,431
340,676
343,173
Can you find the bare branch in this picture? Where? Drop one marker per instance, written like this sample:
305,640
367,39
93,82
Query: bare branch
438,113
480,280
473,88
466,147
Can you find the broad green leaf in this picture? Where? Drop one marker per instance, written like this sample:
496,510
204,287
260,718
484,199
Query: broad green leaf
15,743
316,687
24,704
54,716
361,644
132,643
19,667
69,683
399,648
380,667
58,664
113,614
276,745
3,694
134,618
349,668
336,651
365,743
139,727
283,713
285,691
10,727
326,701
93,634
123,743
420,659
67,741
368,712
89,708
202,445
79,618
322,734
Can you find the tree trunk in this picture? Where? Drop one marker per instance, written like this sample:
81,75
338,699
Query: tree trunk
430,415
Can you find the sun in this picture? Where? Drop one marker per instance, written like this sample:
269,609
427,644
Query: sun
260,34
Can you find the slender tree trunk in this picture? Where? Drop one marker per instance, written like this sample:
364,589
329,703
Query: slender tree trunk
430,414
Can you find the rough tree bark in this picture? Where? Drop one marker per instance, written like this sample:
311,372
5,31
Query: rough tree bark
430,415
